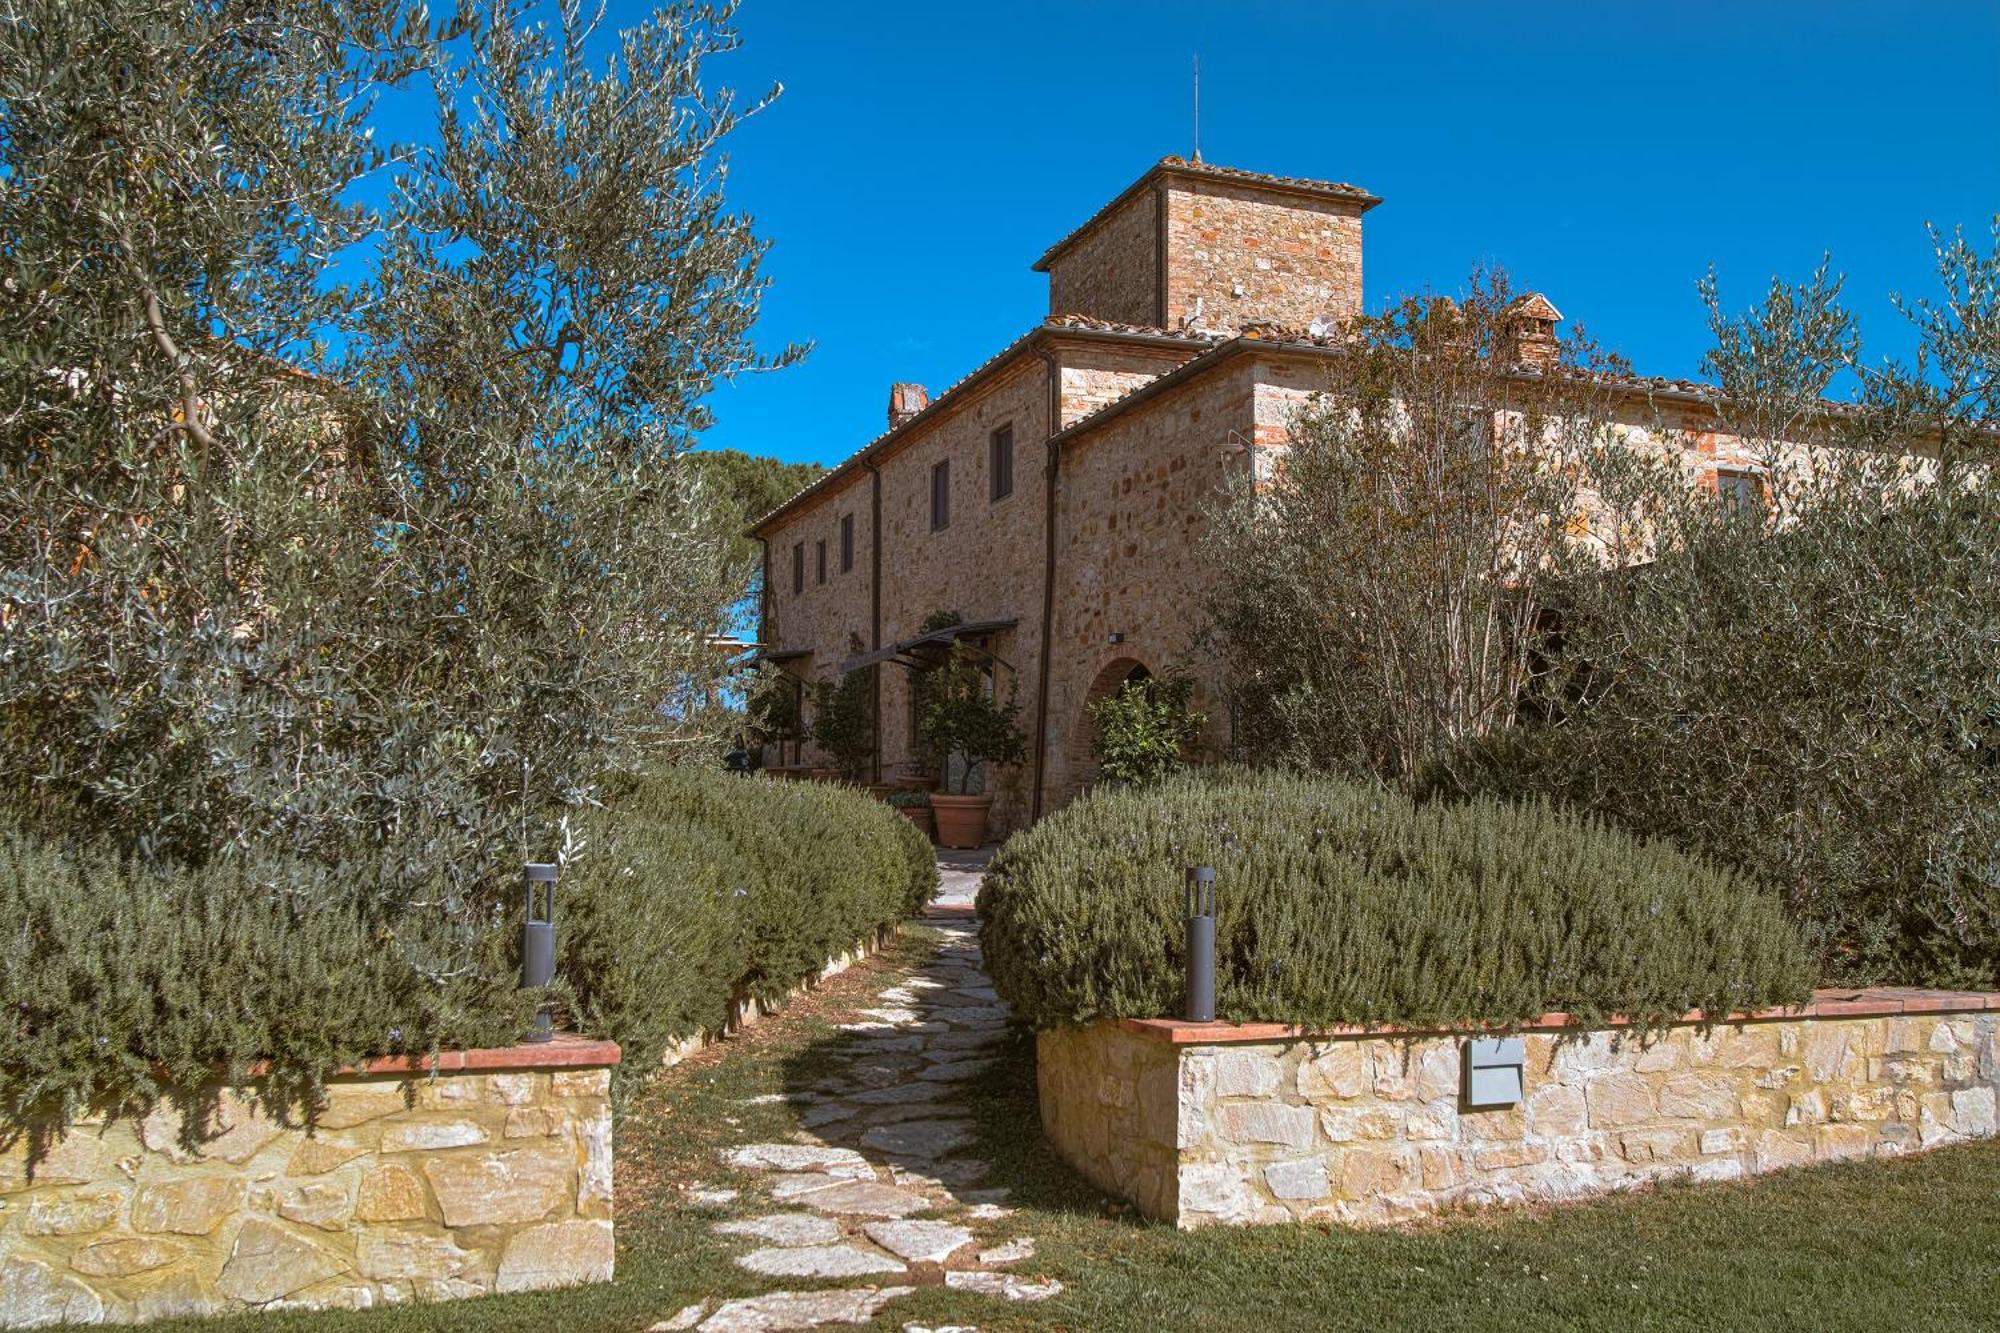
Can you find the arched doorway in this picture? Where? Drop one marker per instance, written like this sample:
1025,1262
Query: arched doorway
1082,764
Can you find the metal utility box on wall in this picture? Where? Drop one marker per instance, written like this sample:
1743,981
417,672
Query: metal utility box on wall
1493,1071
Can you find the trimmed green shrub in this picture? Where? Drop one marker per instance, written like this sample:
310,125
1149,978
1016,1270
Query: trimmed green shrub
920,863
650,930
697,888
120,985
1340,902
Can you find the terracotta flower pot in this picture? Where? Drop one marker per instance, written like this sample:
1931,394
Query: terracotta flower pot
961,820
920,815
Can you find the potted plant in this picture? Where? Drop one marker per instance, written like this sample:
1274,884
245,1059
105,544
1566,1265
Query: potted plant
914,806
771,715
959,717
843,724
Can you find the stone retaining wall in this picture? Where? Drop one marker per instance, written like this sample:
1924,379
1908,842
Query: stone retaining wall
493,1175
1222,1123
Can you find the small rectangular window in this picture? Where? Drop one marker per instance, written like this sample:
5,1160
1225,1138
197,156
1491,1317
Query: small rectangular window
798,568
940,495
847,543
1742,494
1000,462
819,557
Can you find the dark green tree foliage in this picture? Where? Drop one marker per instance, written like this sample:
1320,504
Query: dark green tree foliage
754,483
843,722
1344,903
1812,695
1145,728
121,984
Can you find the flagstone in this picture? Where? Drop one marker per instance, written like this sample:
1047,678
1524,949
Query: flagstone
782,1310
919,1138
1013,1252
955,1071
863,1198
951,1172
920,1090
817,1261
801,1157
826,1114
784,1229
919,1242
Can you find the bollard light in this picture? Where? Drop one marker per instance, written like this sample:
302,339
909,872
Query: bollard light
1201,944
538,942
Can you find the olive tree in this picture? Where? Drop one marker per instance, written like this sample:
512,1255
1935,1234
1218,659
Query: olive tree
363,531
185,559
1389,572
1811,690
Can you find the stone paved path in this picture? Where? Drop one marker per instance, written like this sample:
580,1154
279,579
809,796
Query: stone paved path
882,1184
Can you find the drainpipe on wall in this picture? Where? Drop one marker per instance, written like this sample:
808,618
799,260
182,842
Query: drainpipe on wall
875,609
764,616
1048,578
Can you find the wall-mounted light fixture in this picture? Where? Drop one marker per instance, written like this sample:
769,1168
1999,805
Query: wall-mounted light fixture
1493,1067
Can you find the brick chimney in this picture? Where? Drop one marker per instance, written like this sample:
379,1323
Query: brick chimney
1528,332
905,401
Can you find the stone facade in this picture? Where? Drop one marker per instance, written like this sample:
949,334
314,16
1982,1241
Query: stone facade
1112,270
1194,245
493,1175
1129,418
1203,1124
1245,255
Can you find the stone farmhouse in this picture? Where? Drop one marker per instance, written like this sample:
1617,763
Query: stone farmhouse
1053,499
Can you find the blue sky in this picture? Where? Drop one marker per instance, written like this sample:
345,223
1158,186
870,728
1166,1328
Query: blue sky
924,155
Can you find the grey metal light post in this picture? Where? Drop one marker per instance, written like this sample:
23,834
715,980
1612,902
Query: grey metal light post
1201,944
538,942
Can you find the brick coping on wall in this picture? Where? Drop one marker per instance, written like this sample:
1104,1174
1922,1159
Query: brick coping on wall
1828,1002
565,1051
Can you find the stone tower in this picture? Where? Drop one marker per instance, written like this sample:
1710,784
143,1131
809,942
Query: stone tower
1194,245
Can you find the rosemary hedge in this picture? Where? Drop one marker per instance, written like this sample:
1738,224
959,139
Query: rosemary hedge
122,984
694,890
1343,903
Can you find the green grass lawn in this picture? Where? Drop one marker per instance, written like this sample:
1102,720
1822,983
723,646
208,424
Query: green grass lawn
1910,1244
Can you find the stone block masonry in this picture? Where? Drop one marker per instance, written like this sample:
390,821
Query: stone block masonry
492,1175
1200,1124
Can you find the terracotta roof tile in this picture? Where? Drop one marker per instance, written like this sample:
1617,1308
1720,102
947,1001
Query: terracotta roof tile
1083,324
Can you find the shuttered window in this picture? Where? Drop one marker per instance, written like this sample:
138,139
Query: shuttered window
1000,462
941,495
